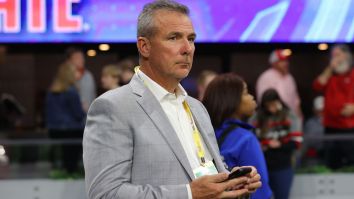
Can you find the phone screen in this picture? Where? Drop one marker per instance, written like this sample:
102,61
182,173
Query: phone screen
239,173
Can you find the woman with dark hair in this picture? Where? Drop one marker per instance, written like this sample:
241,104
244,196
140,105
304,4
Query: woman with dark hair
228,103
278,129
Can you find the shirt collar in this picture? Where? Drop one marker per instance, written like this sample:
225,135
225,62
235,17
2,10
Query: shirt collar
161,93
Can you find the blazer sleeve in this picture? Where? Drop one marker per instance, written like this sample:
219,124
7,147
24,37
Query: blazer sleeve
108,147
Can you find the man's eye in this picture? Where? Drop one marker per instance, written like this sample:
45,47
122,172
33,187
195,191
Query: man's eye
191,39
173,38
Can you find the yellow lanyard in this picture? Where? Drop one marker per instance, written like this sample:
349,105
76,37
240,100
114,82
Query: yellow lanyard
196,133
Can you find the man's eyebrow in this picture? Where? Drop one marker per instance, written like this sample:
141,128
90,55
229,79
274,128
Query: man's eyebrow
179,33
193,35
174,33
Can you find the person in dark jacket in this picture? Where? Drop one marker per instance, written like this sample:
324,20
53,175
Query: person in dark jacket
65,115
279,131
229,104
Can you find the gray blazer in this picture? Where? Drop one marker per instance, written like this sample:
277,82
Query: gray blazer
132,151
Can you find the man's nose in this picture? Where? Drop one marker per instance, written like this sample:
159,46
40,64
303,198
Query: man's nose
187,47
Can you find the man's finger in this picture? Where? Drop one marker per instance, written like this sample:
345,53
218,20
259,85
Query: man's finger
234,193
254,186
255,178
253,172
234,183
216,178
252,190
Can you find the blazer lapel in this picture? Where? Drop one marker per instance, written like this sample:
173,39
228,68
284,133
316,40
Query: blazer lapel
154,110
214,151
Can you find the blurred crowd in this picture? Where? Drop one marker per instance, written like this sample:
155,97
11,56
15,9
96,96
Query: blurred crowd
69,97
274,131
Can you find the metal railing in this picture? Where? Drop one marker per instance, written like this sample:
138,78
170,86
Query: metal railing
41,141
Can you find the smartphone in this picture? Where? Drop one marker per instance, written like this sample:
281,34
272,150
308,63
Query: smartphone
239,173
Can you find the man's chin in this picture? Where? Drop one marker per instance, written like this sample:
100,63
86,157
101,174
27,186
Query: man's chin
182,75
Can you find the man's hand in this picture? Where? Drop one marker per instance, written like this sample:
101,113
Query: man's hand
215,186
348,110
326,74
254,181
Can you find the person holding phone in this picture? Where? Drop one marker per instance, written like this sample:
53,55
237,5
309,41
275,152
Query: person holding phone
149,139
229,104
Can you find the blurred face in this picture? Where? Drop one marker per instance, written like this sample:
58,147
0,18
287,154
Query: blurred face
78,59
203,87
340,61
274,107
208,79
109,82
338,55
248,104
126,76
77,73
282,66
172,47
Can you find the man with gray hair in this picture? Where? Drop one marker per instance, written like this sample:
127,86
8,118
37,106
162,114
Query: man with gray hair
149,139
336,82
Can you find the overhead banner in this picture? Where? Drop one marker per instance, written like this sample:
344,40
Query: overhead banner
113,21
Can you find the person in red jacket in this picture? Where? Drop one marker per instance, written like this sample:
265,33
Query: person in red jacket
337,84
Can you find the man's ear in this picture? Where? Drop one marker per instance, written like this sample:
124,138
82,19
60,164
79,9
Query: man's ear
144,46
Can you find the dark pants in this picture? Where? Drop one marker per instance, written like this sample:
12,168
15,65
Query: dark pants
71,154
339,153
280,182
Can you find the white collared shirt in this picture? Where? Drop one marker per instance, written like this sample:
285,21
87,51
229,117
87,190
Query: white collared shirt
172,105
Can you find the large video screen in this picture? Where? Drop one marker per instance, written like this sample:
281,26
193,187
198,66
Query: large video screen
113,21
